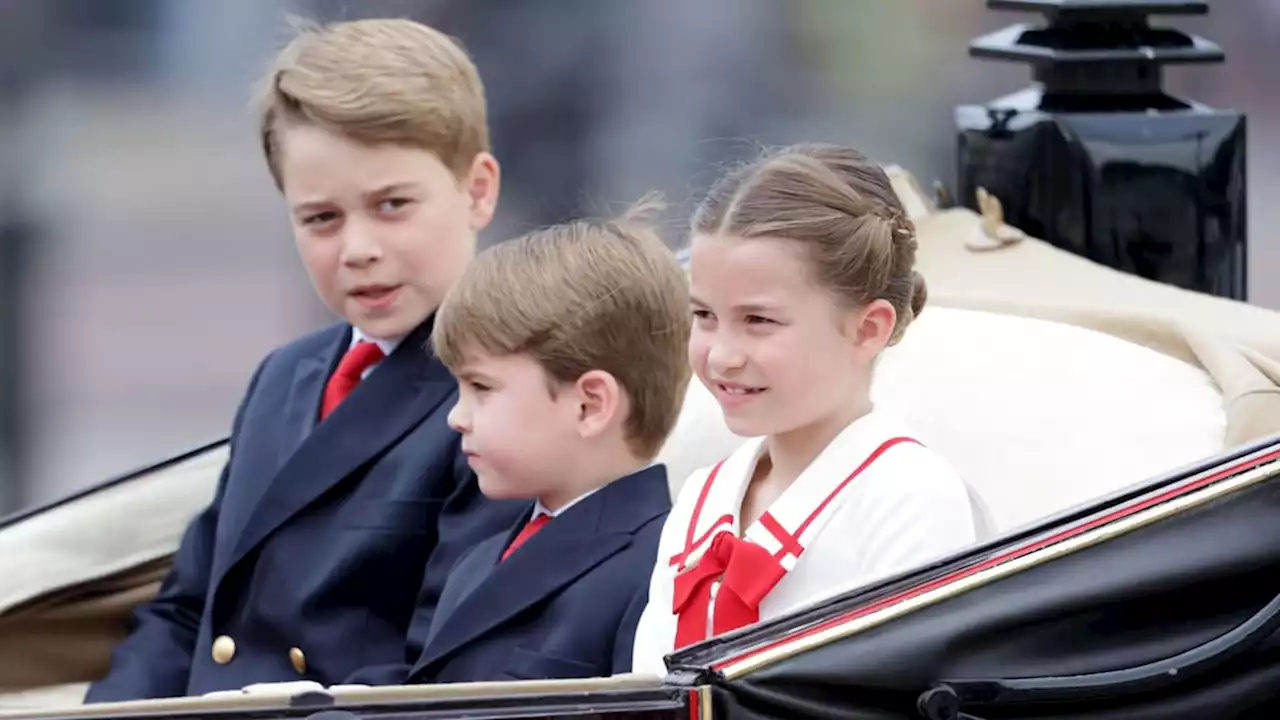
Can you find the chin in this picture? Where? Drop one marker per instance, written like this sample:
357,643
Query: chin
388,327
498,489
749,426
492,489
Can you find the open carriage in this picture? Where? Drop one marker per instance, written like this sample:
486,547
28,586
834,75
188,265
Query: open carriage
1121,441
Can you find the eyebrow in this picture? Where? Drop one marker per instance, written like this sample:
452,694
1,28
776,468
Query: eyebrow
393,188
310,206
389,189
751,308
467,374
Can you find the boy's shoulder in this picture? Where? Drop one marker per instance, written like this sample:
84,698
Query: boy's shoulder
631,504
311,344
280,364
285,358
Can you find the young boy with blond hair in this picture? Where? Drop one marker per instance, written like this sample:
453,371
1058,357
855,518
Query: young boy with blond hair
344,479
569,345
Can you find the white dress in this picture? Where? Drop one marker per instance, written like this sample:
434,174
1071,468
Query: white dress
873,503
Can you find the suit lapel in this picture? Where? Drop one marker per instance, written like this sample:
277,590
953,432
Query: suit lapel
302,408
586,535
461,584
297,418
406,387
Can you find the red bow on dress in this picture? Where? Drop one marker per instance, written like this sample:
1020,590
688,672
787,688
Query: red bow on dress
747,572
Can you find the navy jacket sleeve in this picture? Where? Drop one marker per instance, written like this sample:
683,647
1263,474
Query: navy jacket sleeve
466,518
155,659
624,643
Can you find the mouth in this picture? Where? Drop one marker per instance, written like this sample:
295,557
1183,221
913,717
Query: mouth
375,296
738,390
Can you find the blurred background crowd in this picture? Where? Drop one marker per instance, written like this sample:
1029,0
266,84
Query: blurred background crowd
145,259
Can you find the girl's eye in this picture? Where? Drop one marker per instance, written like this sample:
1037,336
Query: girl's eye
702,314
757,320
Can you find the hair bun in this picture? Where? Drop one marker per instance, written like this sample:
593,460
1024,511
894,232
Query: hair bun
919,293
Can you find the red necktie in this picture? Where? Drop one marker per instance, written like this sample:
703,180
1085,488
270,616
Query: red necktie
359,358
527,532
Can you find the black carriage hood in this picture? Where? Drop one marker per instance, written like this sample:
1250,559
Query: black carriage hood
1157,602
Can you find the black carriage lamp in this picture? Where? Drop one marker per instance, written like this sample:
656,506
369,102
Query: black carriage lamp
1097,158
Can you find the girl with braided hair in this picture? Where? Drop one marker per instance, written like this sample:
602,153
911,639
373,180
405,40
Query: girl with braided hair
802,272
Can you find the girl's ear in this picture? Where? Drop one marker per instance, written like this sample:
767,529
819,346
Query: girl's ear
599,398
870,328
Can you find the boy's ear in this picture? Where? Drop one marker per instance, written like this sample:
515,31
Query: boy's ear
483,184
870,328
600,400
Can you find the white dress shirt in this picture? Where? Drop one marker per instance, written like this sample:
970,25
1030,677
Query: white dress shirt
386,346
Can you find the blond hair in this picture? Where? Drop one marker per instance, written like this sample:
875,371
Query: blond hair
841,206
582,296
377,81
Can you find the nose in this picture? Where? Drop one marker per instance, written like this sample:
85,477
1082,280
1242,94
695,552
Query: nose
458,419
360,246
724,357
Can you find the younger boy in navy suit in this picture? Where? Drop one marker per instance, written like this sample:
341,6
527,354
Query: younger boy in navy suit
570,349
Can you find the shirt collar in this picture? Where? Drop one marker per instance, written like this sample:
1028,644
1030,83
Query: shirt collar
386,346
540,509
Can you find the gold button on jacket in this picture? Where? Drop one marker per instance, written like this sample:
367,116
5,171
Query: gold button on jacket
298,660
224,648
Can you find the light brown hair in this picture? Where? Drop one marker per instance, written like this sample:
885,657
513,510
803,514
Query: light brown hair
841,206
377,81
582,296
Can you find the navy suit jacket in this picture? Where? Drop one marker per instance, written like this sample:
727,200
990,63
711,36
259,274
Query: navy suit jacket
565,604
315,544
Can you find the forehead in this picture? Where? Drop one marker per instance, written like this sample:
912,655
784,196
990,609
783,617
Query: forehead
317,163
731,269
513,365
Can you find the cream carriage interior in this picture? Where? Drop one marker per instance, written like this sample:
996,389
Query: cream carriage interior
1047,380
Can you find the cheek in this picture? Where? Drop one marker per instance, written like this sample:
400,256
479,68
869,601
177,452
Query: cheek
699,344
490,432
792,359
319,257
822,370
434,244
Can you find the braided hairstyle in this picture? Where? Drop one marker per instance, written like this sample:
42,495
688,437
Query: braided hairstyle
860,243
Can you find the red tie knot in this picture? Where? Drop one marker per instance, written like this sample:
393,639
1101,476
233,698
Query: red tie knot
359,358
528,531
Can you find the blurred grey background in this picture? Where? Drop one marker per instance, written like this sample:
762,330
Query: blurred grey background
147,255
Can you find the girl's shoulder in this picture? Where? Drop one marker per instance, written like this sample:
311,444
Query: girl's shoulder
913,467
913,474
692,487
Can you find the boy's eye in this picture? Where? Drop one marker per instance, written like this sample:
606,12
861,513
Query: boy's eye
320,218
478,386
393,204
758,320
